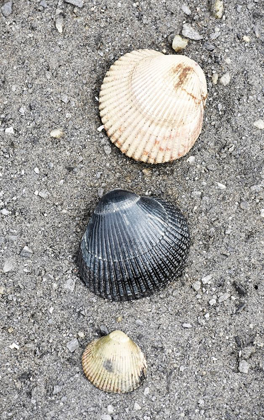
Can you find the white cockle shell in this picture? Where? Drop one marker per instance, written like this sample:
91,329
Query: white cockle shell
152,105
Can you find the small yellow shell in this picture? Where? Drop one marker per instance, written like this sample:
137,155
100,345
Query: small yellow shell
152,105
114,363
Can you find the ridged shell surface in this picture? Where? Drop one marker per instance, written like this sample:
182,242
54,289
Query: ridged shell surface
152,105
114,363
133,246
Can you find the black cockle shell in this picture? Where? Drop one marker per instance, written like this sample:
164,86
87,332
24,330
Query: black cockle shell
132,246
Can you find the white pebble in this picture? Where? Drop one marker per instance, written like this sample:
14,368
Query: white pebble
106,417
191,160
59,23
36,170
215,78
259,124
218,9
146,391
179,43
110,409
57,133
212,302
14,346
262,213
8,266
207,316
100,128
221,186
9,130
246,38
225,79
224,297
243,366
186,9
186,325
81,334
206,279
189,32
73,345
196,286
137,406
70,284
5,212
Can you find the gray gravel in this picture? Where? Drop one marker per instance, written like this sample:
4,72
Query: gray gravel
51,80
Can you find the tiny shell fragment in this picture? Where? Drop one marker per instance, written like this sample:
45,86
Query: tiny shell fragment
189,32
217,8
259,124
57,133
179,43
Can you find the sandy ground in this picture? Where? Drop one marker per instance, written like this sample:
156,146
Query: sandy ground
49,187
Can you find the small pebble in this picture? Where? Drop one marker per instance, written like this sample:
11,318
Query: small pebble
247,352
206,279
59,26
81,334
14,346
43,194
56,389
110,409
100,192
36,170
246,38
243,366
196,286
259,124
70,284
189,32
26,252
77,3
179,43
207,316
215,78
5,212
224,297
137,406
217,8
106,417
212,302
9,130
10,330
221,186
8,266
186,9
244,205
43,3
262,213
57,133
73,345
191,160
107,149
147,171
225,79
104,330
7,9
119,319
186,326
64,98
146,391
100,128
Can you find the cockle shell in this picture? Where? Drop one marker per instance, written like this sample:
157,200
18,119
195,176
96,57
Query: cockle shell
133,246
152,105
114,363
